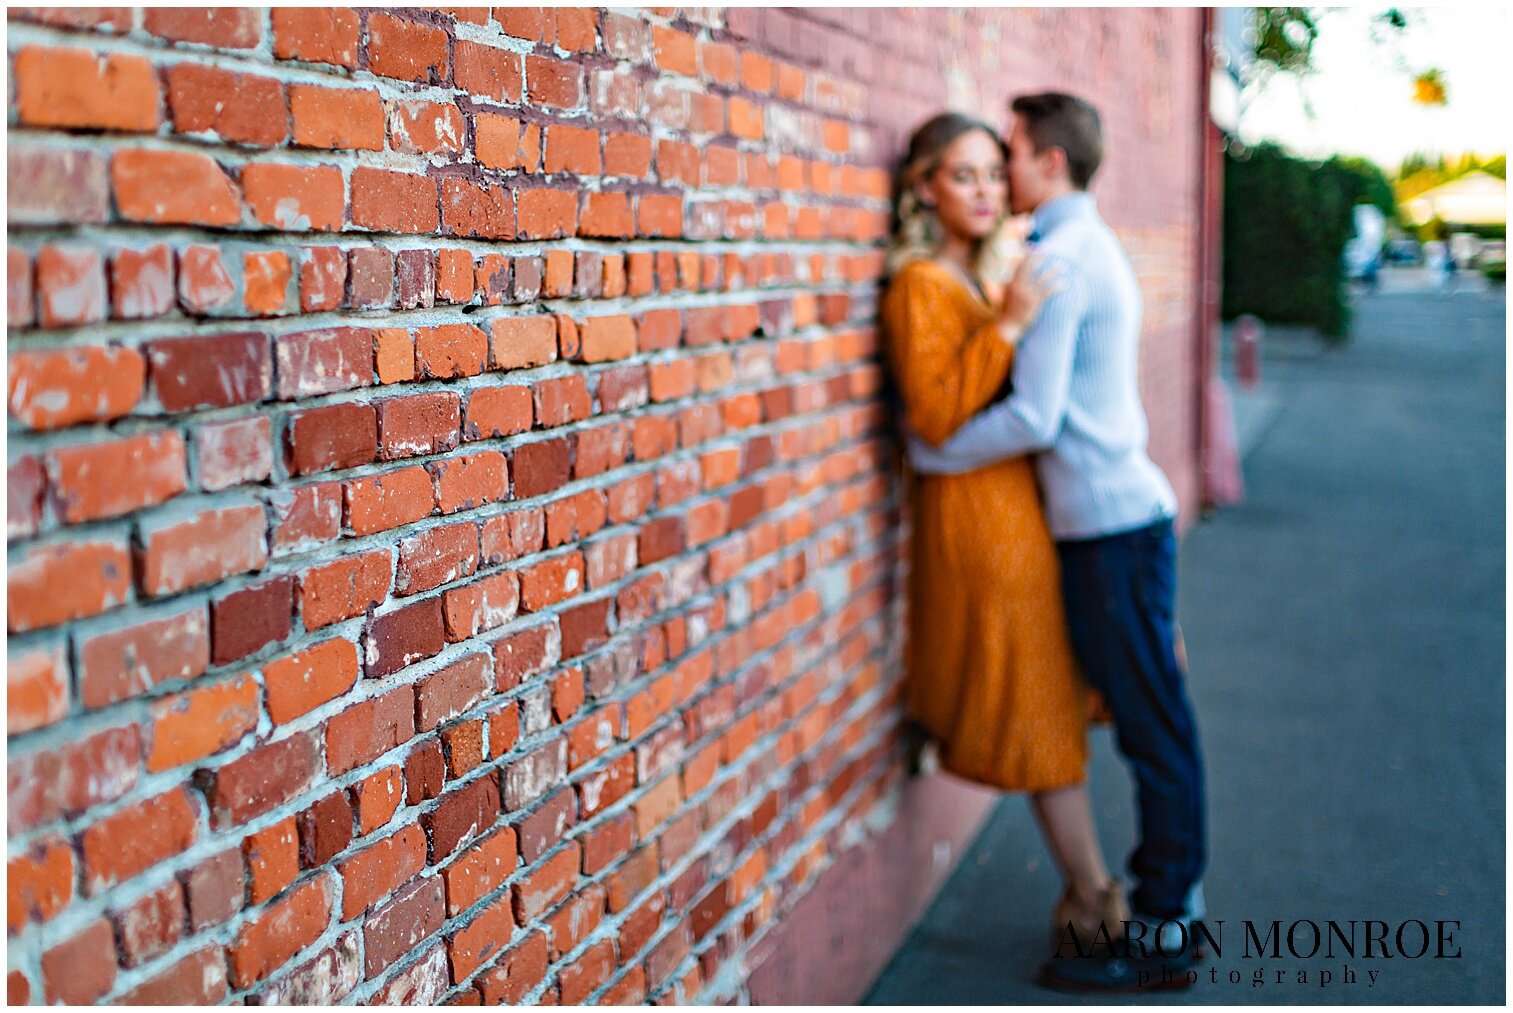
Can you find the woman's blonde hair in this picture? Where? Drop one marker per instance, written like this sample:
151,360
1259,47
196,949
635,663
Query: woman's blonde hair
917,232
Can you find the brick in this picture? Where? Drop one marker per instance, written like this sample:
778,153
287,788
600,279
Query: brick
425,772
394,201
274,937
390,500
25,484
204,283
119,847
604,339
344,588
527,284
553,82
483,605
117,665
343,119
55,186
480,870
70,285
534,774
196,980
583,976
201,722
272,858
545,826
406,50
476,943
606,216
214,371
83,772
214,889
173,188
463,483
561,400
334,437
316,35
375,872
573,150
305,517
324,361
305,680
399,927
529,23
485,72
418,424
325,830
64,387
36,690
416,276
522,342
403,636
376,798
82,969
479,212
246,621
659,215
450,350
52,584
141,282
577,29
365,731
522,655
370,278
176,557
221,27
418,127
295,198
19,290
492,278
40,882
500,143
517,973
228,454
239,108
266,286
435,557
75,88
454,275
261,781
546,214
541,467
540,890
462,815
423,983
452,691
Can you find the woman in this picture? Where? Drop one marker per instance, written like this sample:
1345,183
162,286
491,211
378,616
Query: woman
991,674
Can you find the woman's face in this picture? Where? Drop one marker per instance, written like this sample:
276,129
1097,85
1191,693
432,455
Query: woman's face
969,187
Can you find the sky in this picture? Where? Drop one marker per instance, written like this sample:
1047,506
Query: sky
1362,100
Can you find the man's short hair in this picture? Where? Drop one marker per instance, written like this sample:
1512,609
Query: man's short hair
1054,119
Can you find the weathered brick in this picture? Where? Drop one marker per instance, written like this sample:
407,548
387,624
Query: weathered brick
378,870
316,34
55,583
41,882
402,636
241,108
407,50
435,557
307,679
53,389
201,721
381,502
462,815
517,973
173,188
196,980
367,730
221,27
376,798
295,198
210,372
70,286
274,937
214,889
177,556
228,454
325,830
541,467
245,621
476,943
75,88
344,588
398,928
324,361
337,118
387,201
541,889
82,969
262,780
418,424
136,838
272,857
331,438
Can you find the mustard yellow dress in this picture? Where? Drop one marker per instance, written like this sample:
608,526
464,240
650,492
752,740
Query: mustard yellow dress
990,666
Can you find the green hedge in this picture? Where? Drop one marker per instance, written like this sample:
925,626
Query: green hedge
1286,222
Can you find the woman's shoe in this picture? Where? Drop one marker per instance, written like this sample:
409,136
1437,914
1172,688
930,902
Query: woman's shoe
1110,914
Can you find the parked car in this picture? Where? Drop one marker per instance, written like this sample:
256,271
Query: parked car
1404,251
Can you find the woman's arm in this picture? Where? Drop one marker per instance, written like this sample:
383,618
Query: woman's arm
944,381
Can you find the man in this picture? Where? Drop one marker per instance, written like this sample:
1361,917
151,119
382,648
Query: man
1076,403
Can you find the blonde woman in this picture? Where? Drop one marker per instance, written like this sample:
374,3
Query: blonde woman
991,674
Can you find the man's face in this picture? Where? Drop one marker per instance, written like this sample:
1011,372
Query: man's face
1027,172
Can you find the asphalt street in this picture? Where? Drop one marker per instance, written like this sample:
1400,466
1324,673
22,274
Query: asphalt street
1346,636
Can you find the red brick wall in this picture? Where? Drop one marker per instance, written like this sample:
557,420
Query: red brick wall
453,554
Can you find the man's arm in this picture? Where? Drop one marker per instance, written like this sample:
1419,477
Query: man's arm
1030,418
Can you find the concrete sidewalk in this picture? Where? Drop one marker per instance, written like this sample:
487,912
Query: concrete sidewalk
1346,632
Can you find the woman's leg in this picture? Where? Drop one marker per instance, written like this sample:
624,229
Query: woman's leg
1066,820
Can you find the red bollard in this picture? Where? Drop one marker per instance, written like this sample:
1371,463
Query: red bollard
1248,351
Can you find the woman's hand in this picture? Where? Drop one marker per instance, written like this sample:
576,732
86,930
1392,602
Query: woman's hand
1022,297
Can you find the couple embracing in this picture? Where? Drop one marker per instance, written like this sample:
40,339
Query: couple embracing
1043,573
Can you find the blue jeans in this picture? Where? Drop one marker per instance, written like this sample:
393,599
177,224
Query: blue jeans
1120,594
